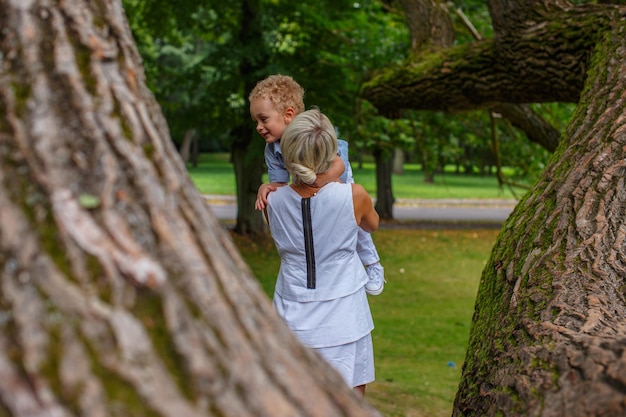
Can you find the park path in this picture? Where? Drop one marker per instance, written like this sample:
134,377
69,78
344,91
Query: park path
476,212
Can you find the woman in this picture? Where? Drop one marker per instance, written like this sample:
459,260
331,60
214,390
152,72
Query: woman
320,289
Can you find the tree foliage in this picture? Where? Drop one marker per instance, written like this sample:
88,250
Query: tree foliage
191,65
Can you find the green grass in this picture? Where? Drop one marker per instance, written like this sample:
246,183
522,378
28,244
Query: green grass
422,318
214,175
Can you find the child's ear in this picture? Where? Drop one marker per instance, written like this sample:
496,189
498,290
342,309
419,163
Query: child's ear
289,114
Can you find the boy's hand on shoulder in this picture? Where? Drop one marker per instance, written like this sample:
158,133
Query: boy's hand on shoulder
261,196
264,191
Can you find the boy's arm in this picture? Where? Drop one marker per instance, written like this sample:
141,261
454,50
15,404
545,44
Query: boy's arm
346,176
336,169
264,190
275,163
277,173
334,172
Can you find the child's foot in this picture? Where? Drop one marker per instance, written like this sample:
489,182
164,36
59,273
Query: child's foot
376,284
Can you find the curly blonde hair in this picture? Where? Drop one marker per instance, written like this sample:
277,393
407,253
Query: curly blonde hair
282,91
309,146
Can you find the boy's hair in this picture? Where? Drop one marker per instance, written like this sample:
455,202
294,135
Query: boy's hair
282,91
309,146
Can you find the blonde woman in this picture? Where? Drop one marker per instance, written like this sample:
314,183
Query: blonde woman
320,289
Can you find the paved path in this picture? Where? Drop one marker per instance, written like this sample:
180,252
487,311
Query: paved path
488,212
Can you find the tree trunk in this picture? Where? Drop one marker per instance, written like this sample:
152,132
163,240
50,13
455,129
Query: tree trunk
398,161
421,150
248,164
429,24
120,293
247,154
185,148
548,334
384,195
536,128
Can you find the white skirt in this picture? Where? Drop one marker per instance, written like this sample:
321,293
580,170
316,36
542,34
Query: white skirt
339,330
329,323
354,361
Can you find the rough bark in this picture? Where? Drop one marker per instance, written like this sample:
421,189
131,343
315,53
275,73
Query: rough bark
548,335
545,61
120,293
536,128
429,24
508,16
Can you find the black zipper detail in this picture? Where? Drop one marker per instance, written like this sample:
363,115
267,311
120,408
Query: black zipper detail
308,243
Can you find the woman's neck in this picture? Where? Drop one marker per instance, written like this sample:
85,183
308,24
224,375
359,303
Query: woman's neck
307,190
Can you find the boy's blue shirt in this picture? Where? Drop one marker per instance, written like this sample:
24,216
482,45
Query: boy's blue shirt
276,163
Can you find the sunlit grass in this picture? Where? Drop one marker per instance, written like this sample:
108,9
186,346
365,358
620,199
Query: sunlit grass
422,318
214,175
448,185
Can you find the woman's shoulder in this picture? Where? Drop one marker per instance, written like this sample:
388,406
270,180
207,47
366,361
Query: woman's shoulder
340,187
360,196
281,194
358,189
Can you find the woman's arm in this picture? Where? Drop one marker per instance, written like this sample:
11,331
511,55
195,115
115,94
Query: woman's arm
364,212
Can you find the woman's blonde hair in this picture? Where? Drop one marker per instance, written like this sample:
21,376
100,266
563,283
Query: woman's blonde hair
282,91
309,146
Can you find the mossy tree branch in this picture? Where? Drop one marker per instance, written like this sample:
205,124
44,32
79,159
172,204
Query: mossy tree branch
547,62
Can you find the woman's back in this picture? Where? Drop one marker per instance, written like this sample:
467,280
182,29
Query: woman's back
329,267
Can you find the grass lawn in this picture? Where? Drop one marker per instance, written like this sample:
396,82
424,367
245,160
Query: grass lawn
214,175
422,318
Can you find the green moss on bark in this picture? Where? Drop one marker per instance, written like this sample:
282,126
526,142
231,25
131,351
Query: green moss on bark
122,398
149,310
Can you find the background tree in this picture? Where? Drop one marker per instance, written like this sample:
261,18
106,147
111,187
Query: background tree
120,293
201,58
383,136
246,152
327,48
547,336
200,68
432,29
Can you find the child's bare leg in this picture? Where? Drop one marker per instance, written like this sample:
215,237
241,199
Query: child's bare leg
360,389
